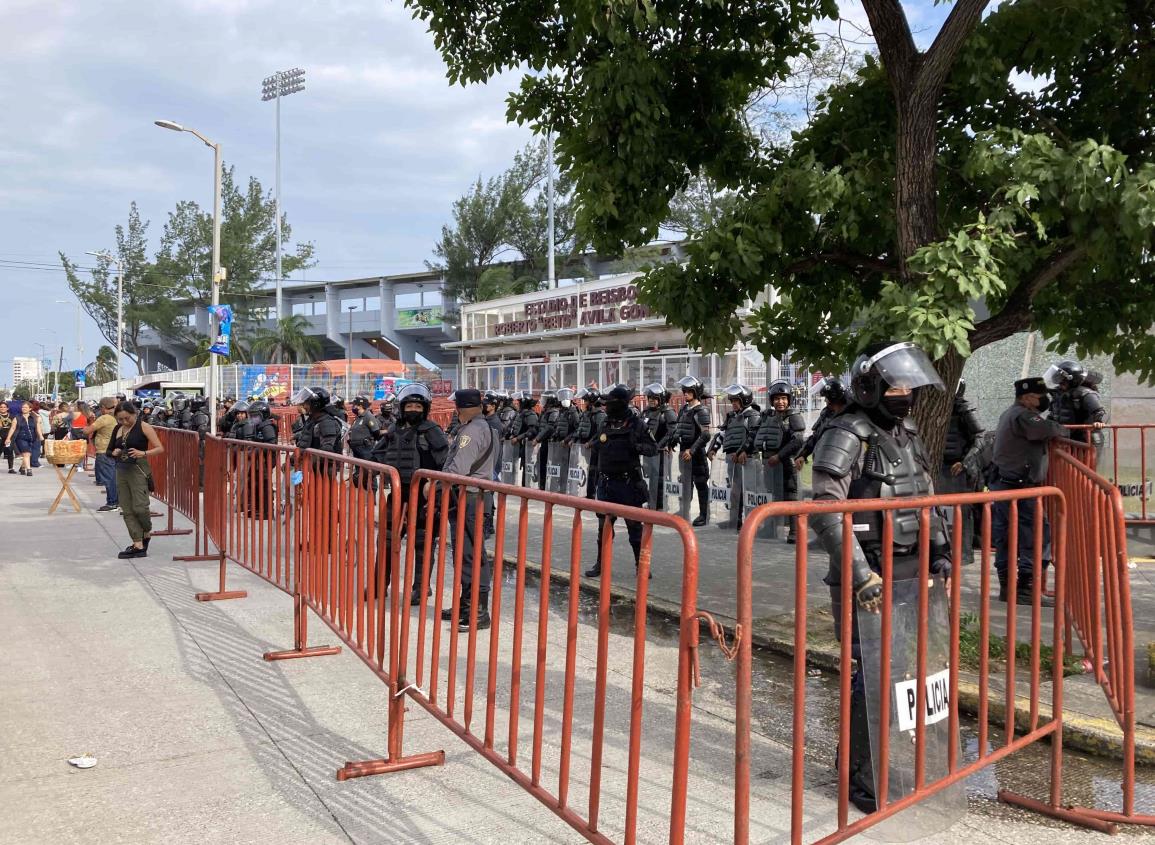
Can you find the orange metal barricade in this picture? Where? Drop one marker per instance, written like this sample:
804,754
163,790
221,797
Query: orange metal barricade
1127,466
441,694
1099,601
168,481
956,770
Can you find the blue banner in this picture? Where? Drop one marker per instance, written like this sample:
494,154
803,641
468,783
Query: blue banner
224,315
80,377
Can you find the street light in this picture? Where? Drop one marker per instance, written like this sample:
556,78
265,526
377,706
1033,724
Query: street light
217,273
107,256
280,84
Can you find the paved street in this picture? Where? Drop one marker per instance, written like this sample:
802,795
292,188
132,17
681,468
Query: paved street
197,737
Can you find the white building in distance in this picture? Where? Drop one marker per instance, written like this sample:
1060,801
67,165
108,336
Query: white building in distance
26,369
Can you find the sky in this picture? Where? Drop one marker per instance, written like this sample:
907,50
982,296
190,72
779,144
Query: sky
374,150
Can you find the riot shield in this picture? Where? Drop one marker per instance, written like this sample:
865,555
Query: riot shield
577,471
557,467
655,481
774,489
754,485
509,458
685,491
735,474
529,466
719,485
936,812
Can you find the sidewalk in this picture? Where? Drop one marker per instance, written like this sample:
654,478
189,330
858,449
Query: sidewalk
200,740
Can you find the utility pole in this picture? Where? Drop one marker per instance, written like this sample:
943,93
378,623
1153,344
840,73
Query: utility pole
280,84
349,354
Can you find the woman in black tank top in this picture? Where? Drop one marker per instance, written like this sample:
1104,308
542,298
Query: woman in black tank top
131,444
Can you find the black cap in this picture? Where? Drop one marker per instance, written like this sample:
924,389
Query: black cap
1034,384
467,398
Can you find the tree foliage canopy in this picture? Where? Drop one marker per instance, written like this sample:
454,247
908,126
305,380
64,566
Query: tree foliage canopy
930,195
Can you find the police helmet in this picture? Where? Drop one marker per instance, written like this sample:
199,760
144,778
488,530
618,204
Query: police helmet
198,403
389,401
618,400
549,398
260,408
1093,380
656,391
313,398
338,402
889,364
526,399
833,390
780,388
178,401
1070,373
241,407
693,386
415,393
361,401
491,397
565,397
741,394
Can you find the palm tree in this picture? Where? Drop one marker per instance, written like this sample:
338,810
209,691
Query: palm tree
103,369
287,342
238,351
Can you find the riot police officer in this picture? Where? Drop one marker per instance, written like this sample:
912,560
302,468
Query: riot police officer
159,416
661,422
490,402
200,415
963,432
736,440
624,439
506,414
551,410
262,423
472,454
181,416
564,431
323,425
524,428
1073,403
834,392
1020,461
589,427
872,450
387,413
364,431
414,442
779,440
693,434
240,413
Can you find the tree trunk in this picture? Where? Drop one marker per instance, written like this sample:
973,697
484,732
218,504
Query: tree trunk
932,414
916,209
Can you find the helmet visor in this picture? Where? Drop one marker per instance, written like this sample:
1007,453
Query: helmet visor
303,395
906,367
1054,376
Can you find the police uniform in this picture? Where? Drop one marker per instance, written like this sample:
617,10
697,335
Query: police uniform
692,429
506,415
494,422
1078,406
963,432
322,430
589,429
524,428
473,453
661,422
1020,461
545,433
824,417
411,446
363,434
779,436
623,441
736,440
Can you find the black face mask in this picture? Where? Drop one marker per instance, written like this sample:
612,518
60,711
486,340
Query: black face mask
898,406
412,417
616,409
1044,402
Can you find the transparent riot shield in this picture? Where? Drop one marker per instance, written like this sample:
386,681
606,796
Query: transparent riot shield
655,480
719,486
529,467
754,485
557,467
577,471
735,474
509,459
941,810
685,491
774,489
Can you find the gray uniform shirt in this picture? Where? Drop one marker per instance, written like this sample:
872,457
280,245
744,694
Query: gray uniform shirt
1021,444
472,451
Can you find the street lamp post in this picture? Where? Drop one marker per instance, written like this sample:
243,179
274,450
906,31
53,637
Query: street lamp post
216,265
280,84
107,256
79,335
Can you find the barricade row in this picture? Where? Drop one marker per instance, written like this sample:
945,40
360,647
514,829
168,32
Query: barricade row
346,541
1120,454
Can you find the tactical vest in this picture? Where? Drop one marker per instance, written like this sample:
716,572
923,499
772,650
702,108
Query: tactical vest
550,418
1069,408
403,452
890,470
691,422
652,417
516,425
200,422
360,436
507,415
737,430
585,426
616,455
567,423
267,432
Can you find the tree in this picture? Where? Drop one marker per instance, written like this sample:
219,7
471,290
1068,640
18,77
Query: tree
287,342
504,216
25,390
927,198
103,369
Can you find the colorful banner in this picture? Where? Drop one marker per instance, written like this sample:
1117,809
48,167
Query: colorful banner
418,318
385,384
80,377
264,381
224,315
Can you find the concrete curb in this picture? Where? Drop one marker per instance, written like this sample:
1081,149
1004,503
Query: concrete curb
1101,737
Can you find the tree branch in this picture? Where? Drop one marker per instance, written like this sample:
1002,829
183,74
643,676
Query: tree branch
1015,315
845,259
940,58
895,43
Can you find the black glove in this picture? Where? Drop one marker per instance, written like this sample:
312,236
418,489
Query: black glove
940,564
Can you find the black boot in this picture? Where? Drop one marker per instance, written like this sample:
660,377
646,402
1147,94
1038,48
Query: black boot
447,614
703,509
483,619
1024,592
415,597
595,572
1002,586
